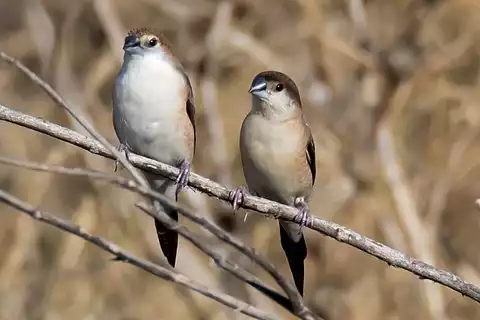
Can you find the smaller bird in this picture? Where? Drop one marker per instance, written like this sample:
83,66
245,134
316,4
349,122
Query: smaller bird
154,115
278,158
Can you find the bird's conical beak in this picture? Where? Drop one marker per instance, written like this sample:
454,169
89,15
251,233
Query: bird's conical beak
257,86
131,42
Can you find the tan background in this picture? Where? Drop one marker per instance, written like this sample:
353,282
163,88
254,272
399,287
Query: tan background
422,98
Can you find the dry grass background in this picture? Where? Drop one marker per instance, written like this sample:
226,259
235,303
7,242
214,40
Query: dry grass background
390,89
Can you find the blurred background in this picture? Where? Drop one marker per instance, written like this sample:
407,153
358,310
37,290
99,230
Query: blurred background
390,89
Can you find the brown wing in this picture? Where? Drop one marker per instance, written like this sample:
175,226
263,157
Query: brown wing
190,106
311,157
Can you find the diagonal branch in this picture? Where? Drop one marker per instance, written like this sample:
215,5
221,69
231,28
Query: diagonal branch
295,306
340,233
293,294
165,273
220,260
70,110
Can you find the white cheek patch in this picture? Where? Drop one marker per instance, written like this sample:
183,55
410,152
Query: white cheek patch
281,102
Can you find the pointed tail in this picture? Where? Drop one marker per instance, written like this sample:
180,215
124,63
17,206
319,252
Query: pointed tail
296,251
168,239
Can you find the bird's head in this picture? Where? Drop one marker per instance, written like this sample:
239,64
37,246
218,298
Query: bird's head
275,94
142,42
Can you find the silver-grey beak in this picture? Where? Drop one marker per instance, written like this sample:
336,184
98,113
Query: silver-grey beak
131,41
257,86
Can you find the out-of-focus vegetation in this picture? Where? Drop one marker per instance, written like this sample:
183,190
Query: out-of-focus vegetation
390,88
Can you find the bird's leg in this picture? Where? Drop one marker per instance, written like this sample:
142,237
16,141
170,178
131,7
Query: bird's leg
236,196
121,148
303,216
183,174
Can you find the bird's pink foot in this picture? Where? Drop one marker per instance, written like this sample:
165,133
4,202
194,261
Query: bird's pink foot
121,148
183,175
236,196
303,216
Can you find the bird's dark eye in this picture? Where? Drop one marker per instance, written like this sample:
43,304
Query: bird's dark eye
152,42
279,87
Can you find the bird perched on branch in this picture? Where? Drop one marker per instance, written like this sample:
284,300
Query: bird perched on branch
154,115
278,158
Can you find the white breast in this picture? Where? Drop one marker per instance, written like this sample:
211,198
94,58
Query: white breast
147,104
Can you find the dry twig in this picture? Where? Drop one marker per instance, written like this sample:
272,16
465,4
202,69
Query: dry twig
296,299
163,272
296,307
84,123
264,206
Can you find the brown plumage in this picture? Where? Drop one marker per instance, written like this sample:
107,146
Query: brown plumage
139,32
142,31
164,42
276,76
278,157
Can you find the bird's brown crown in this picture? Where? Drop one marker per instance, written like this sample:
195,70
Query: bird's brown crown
282,78
140,32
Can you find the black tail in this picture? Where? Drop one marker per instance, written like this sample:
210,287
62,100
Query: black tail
168,239
296,253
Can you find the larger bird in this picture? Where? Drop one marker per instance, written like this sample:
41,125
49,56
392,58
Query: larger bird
278,158
154,115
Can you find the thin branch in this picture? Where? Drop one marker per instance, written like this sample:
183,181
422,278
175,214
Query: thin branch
166,273
295,306
293,294
83,122
220,260
219,155
273,209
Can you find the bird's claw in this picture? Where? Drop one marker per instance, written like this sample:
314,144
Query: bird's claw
303,216
121,148
236,196
183,175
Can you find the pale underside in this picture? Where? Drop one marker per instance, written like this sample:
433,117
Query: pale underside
150,109
274,158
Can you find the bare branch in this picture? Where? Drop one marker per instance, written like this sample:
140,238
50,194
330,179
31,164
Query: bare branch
279,211
84,123
295,305
293,294
219,155
220,260
164,272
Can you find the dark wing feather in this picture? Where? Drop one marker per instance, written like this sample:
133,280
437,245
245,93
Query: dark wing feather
191,110
311,157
